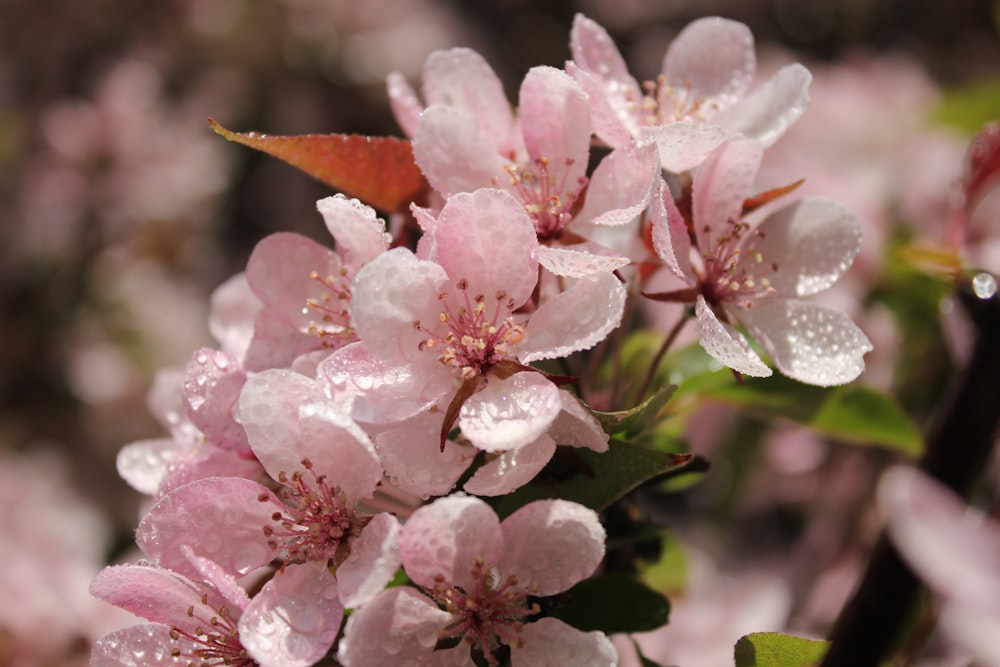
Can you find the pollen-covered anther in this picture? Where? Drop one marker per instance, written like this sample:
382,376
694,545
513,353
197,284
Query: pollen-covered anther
331,307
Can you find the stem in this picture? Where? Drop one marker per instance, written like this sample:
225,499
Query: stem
958,447
655,363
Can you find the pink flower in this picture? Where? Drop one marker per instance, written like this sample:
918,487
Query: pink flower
455,330
291,622
698,100
953,548
478,575
737,272
467,138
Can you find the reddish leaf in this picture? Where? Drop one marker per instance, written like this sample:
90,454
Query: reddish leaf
982,163
758,200
379,171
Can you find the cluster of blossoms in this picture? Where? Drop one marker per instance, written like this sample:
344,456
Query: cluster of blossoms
367,403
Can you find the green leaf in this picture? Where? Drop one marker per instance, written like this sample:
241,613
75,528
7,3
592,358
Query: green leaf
379,171
772,649
970,107
632,422
599,479
612,603
852,413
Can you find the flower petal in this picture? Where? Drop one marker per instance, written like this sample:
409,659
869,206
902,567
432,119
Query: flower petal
720,185
578,263
510,413
725,344
399,627
810,343
771,109
147,645
621,186
373,561
295,617
549,641
550,545
406,107
576,426
412,457
447,537
812,242
683,145
212,384
595,53
454,153
555,121
713,59
512,469
574,320
461,78
358,231
606,122
670,237
220,518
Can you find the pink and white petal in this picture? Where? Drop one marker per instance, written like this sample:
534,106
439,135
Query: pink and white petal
212,384
948,544
220,518
398,627
280,274
549,641
487,238
771,109
711,59
295,617
555,122
512,469
269,411
210,462
447,538
507,414
390,293
153,593
455,154
219,581
808,342
683,145
670,237
550,545
276,343
976,630
576,319
233,308
812,242
403,101
147,645
412,457
372,563
720,185
573,263
379,392
604,119
576,426
144,464
359,233
726,345
595,52
339,450
621,186
461,78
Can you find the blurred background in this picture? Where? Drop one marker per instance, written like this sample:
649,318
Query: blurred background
120,212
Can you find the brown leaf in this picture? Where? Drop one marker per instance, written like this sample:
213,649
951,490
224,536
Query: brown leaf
379,171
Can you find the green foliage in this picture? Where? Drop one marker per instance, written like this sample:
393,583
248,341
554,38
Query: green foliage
772,649
971,107
612,603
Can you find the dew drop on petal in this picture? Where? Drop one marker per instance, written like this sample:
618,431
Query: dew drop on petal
984,285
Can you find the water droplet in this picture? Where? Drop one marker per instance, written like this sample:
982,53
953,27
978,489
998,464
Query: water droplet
984,285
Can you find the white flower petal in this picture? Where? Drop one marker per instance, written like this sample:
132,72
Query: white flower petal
713,59
811,242
771,109
683,145
510,413
454,153
576,263
725,344
512,469
574,320
810,343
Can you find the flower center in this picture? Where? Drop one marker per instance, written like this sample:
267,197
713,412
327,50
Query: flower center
549,202
330,308
470,339
663,104
490,614
215,641
314,521
734,271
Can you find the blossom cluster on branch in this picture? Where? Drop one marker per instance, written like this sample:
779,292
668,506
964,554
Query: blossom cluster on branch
384,423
